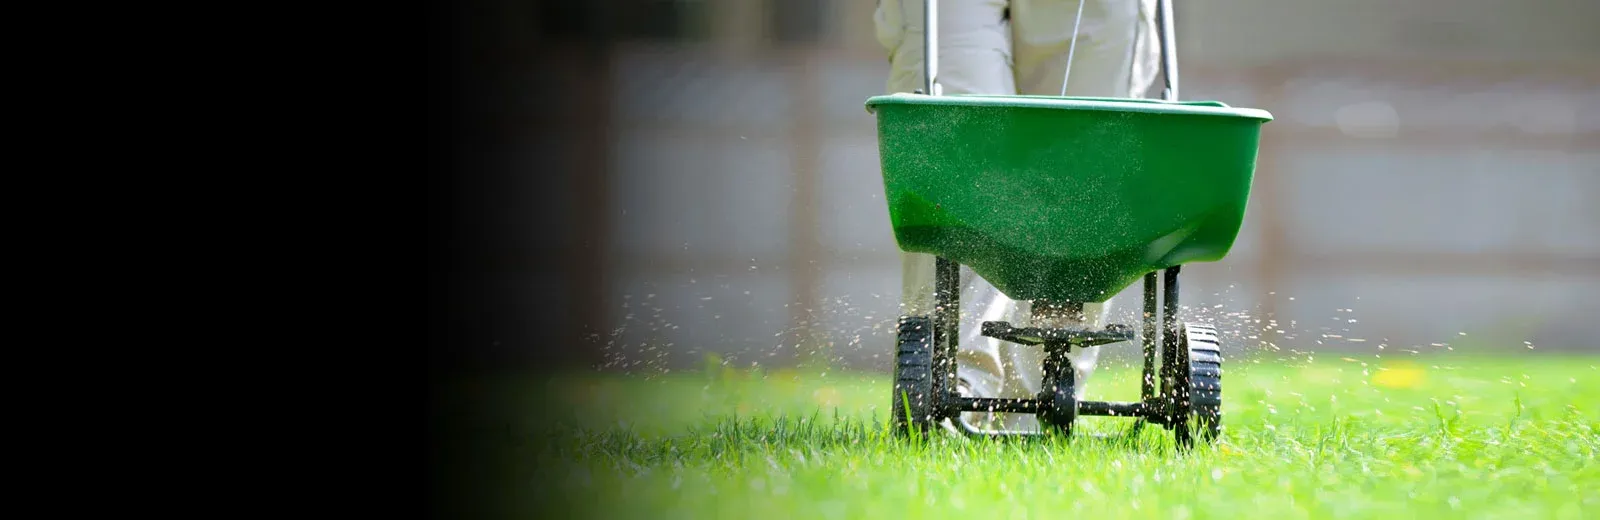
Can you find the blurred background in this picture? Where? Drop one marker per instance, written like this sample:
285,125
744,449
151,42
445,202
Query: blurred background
1432,178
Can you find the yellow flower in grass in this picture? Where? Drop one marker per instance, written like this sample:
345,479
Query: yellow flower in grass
826,396
1401,375
786,379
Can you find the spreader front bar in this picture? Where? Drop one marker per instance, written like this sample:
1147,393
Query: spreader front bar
1112,408
1098,408
990,404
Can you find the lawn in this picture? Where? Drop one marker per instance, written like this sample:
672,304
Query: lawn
1431,436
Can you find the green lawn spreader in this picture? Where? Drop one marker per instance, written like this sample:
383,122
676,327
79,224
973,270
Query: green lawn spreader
1060,201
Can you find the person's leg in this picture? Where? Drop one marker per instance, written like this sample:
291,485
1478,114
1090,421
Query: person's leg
1117,55
974,58
974,46
1118,51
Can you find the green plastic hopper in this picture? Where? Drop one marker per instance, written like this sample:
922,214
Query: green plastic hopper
1065,198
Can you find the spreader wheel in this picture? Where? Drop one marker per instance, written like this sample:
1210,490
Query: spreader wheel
1198,376
914,396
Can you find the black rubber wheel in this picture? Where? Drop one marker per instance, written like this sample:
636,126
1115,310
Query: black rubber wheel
914,389
1060,408
1198,407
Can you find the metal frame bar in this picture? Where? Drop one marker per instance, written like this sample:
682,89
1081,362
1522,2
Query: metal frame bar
1147,384
946,333
1169,337
1095,408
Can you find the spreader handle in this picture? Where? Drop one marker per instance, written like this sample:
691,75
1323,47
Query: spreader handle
1169,52
930,47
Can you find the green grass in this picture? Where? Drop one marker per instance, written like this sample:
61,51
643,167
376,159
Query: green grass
1429,436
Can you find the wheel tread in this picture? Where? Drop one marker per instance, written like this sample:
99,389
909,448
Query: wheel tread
913,375
1203,348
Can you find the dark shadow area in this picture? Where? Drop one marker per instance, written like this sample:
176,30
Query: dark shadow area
516,133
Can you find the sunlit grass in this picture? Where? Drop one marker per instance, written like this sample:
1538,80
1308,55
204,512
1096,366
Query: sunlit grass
1437,436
